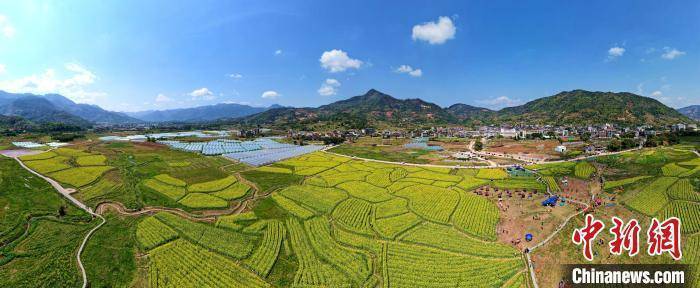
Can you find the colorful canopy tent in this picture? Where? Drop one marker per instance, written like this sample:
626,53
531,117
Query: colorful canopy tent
551,201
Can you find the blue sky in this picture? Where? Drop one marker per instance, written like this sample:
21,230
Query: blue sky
138,55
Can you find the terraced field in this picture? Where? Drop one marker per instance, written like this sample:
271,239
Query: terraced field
333,221
584,170
214,194
672,194
341,227
69,166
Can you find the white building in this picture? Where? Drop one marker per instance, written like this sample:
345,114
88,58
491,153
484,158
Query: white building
560,148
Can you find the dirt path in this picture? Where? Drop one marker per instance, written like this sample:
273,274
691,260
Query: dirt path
414,164
200,216
471,149
66,193
551,236
121,209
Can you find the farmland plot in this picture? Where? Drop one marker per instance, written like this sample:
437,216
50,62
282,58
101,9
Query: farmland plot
652,198
151,233
430,202
348,224
183,264
80,176
365,191
584,170
417,266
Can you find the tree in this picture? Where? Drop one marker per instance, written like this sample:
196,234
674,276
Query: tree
586,136
615,145
333,140
478,146
628,143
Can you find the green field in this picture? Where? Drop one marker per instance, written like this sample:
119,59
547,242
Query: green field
69,166
436,222
584,169
37,240
317,220
378,153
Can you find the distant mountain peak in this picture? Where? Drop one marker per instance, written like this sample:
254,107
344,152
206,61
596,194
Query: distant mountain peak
49,103
373,91
200,113
692,111
377,109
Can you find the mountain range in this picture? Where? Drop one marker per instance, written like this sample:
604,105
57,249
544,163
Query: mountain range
372,109
54,108
692,111
376,109
199,114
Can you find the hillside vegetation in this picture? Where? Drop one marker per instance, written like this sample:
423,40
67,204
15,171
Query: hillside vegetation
376,109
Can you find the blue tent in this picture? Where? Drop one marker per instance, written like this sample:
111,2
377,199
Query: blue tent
528,237
551,201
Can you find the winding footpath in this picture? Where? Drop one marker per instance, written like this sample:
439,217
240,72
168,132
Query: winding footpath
121,209
561,226
66,193
210,216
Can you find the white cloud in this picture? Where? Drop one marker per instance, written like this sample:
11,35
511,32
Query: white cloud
6,27
161,98
72,87
500,102
202,93
435,33
235,75
671,53
409,70
270,94
278,52
656,94
329,87
615,52
338,61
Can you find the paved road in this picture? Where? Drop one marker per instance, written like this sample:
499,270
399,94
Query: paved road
414,164
492,164
66,193
543,161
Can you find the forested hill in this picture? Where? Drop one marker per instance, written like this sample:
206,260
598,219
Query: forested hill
580,107
376,109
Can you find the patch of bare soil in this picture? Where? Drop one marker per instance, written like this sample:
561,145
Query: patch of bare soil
542,149
19,152
521,212
576,189
548,259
